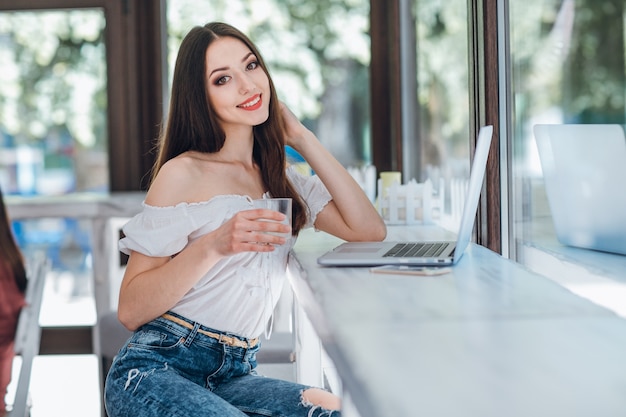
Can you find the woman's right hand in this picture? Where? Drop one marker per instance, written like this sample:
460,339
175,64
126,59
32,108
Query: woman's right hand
249,231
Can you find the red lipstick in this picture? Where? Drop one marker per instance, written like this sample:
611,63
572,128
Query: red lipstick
253,103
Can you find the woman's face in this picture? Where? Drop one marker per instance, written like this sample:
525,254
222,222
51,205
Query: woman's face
238,88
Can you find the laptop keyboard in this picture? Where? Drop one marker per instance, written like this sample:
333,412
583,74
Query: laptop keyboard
416,250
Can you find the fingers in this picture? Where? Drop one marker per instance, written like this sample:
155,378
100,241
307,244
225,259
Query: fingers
254,230
228,241
267,221
286,111
292,123
256,246
259,228
263,214
295,132
263,241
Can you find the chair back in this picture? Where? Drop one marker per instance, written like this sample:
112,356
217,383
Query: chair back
28,334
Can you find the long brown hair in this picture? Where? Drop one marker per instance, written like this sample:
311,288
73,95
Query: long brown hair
193,126
9,250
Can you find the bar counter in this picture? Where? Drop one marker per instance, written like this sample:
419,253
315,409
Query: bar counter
488,339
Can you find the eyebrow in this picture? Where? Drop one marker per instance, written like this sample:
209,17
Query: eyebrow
225,68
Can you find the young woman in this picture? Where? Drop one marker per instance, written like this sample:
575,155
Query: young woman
12,288
203,273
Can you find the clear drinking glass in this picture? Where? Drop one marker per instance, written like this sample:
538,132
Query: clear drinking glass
282,205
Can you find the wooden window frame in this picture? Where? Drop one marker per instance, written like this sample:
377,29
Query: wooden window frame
386,117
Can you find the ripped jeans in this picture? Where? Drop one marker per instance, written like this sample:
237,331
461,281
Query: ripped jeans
168,370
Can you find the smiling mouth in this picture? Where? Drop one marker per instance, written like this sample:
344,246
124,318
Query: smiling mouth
252,104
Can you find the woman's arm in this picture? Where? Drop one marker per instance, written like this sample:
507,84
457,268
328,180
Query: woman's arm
153,285
350,215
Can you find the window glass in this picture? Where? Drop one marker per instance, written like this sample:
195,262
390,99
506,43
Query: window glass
318,54
567,67
53,124
443,104
66,242
53,141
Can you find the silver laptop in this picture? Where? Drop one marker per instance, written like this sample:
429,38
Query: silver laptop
441,253
584,171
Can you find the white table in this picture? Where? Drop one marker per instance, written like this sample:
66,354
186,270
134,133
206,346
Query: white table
99,209
489,339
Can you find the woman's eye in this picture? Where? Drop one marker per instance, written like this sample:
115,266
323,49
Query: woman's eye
221,80
252,65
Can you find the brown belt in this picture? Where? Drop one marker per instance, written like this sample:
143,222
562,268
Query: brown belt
227,340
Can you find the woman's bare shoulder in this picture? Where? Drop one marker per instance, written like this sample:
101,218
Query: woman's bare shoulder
182,179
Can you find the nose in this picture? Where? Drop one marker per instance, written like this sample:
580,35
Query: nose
246,84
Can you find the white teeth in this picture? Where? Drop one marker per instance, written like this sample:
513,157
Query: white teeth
252,103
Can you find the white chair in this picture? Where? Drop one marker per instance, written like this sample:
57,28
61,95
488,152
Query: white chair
112,336
28,333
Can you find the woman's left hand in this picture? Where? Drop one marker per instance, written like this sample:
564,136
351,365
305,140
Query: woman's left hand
295,131
350,215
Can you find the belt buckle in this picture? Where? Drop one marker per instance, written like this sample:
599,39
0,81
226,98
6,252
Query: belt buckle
233,341
226,340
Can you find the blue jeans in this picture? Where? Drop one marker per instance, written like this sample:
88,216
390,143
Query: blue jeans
166,369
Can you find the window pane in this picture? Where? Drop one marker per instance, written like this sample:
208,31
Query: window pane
443,102
318,54
53,141
567,67
53,125
66,242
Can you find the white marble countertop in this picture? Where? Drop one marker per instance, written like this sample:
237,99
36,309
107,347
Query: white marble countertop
488,339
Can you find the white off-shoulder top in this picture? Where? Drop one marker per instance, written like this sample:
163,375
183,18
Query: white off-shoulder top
240,292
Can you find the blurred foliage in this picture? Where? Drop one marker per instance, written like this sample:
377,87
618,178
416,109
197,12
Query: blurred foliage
567,67
442,79
54,76
568,60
